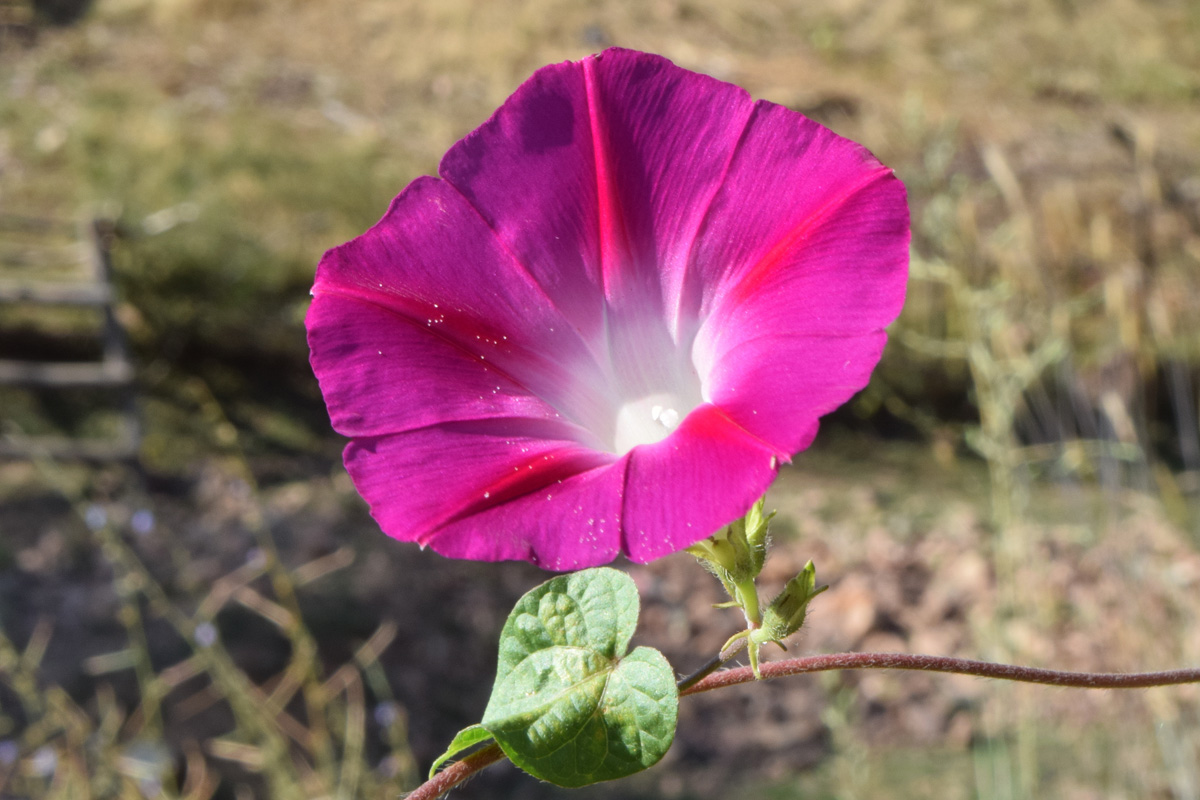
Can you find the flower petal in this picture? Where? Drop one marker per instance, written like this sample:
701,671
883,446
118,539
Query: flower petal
795,296
756,383
359,347
437,486
807,222
664,138
530,172
704,475
845,277
426,318
571,523
615,160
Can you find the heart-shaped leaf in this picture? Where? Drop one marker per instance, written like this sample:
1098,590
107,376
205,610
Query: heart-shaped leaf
569,706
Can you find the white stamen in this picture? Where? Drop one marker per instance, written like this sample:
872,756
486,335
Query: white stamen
646,421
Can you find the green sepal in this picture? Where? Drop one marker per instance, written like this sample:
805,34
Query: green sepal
463,740
735,556
783,617
754,526
785,614
570,705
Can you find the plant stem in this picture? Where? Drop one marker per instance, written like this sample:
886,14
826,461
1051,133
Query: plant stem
961,666
457,773
706,679
747,594
715,663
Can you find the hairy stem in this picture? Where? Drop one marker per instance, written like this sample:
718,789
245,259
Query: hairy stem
961,666
714,664
457,773
706,679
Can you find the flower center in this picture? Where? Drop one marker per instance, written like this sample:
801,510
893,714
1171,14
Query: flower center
648,420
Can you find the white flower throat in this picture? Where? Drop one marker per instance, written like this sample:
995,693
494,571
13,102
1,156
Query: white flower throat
648,420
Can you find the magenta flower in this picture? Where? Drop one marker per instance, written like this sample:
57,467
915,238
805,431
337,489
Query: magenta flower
628,298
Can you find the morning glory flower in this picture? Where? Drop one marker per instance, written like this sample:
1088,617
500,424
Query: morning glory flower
625,301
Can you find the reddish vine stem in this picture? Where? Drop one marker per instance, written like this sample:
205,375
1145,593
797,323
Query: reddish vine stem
459,772
962,666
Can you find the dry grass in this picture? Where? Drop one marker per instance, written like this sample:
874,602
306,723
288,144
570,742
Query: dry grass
1052,325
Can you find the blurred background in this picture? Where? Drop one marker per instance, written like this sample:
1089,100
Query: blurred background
193,600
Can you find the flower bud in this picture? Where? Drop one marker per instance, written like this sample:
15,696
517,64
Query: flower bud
786,613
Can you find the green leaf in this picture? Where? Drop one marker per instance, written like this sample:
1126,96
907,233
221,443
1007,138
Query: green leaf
467,737
569,706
